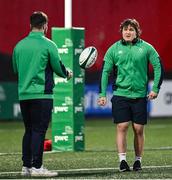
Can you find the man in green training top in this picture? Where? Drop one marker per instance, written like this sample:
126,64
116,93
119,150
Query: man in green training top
35,58
129,59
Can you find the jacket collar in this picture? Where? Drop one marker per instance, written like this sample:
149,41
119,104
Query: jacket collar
36,33
133,42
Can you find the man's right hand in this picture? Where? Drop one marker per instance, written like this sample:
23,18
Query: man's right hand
102,101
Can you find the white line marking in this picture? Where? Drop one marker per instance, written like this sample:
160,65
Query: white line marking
93,150
89,170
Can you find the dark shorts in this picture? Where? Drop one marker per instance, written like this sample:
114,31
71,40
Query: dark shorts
126,109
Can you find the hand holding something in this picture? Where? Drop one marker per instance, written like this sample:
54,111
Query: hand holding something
70,74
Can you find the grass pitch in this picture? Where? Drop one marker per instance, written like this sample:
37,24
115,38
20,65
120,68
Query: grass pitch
99,160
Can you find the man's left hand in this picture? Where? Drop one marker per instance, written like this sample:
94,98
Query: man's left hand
152,95
70,73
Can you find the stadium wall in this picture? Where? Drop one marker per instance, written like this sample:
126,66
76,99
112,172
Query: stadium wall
161,107
101,20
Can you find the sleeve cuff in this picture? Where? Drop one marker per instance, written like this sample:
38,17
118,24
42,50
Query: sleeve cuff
155,89
102,94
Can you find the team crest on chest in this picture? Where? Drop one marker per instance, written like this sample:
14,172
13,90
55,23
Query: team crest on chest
140,50
120,52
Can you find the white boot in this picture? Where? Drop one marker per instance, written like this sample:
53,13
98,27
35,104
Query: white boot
26,171
42,172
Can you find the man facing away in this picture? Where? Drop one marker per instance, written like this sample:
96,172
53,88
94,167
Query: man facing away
129,59
35,59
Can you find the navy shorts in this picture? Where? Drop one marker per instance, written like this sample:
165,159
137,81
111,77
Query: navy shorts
126,109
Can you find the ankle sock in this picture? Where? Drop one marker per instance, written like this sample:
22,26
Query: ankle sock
138,158
122,156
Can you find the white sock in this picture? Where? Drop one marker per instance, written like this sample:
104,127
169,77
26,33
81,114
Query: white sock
122,156
138,158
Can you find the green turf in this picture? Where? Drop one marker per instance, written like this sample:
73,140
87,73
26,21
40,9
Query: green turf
100,152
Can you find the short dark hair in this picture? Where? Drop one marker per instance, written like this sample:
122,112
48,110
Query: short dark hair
133,23
38,19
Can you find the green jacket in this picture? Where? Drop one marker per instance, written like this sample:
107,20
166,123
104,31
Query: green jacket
130,64
35,58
